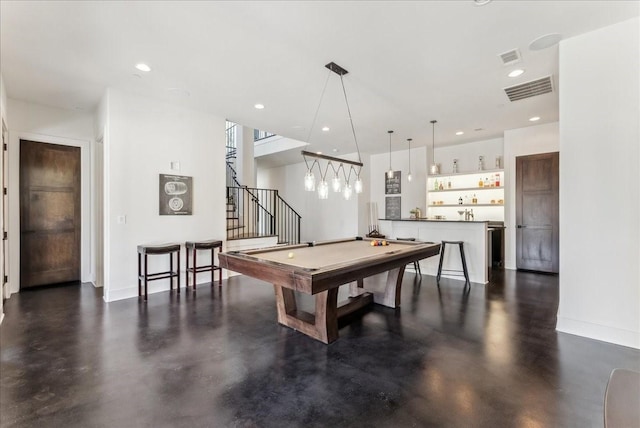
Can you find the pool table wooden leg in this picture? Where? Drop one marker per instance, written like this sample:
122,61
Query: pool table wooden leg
392,289
386,287
322,326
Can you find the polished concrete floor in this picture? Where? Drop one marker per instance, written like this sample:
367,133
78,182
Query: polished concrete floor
487,358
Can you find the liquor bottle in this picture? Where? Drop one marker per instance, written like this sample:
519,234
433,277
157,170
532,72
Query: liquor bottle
435,184
486,182
474,200
480,163
449,183
460,200
480,182
455,166
497,180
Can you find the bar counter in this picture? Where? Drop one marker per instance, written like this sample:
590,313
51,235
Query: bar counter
473,233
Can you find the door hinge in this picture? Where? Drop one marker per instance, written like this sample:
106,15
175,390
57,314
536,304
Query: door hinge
4,190
6,279
4,236
4,147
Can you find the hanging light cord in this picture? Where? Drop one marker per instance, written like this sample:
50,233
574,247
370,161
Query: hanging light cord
390,150
433,141
353,130
313,124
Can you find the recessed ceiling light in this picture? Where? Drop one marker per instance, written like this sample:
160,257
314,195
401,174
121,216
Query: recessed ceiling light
515,73
259,106
318,153
545,41
481,2
534,119
325,128
335,150
143,67
459,132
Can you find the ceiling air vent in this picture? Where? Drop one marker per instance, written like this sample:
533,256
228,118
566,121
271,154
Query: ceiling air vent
510,57
530,89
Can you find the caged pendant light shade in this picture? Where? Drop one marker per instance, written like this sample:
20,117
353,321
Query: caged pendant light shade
435,168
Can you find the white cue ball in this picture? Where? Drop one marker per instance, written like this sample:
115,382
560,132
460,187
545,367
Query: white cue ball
290,255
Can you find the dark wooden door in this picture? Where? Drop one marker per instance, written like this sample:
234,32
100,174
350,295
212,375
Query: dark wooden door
49,214
537,207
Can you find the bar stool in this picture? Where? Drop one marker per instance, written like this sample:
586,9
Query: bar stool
192,248
464,270
145,276
416,264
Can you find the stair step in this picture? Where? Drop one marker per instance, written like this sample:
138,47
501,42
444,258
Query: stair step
240,226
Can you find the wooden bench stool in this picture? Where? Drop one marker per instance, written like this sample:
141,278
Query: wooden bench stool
192,248
464,272
144,276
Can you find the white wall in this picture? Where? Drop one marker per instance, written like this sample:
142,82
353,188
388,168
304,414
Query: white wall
50,125
3,120
331,218
144,137
3,98
600,185
522,142
413,193
467,155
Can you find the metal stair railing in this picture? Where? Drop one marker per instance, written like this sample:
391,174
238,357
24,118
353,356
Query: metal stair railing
258,212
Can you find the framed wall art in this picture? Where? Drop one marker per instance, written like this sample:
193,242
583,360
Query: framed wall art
176,195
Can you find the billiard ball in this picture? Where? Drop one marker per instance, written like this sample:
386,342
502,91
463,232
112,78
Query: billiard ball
385,243
373,243
290,255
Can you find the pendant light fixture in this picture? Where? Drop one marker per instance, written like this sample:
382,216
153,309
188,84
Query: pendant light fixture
390,172
336,164
435,168
409,175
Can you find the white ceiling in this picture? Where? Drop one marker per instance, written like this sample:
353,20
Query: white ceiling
409,62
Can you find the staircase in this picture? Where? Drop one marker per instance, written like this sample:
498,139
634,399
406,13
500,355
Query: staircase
254,212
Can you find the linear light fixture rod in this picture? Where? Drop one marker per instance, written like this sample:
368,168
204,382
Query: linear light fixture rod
330,158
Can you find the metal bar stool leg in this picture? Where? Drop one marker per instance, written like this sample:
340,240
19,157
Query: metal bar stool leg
442,247
178,271
464,265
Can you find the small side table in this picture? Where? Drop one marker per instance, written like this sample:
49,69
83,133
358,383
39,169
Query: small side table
144,276
192,248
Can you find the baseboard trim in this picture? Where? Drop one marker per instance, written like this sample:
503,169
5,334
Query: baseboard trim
628,338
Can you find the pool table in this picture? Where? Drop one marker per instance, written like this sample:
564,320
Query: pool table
320,268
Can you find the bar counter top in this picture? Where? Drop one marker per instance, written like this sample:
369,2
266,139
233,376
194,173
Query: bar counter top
434,220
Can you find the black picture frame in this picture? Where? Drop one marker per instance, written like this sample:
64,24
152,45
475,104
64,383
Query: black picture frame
175,195
393,186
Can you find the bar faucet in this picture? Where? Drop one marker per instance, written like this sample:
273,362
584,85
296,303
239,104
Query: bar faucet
468,215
